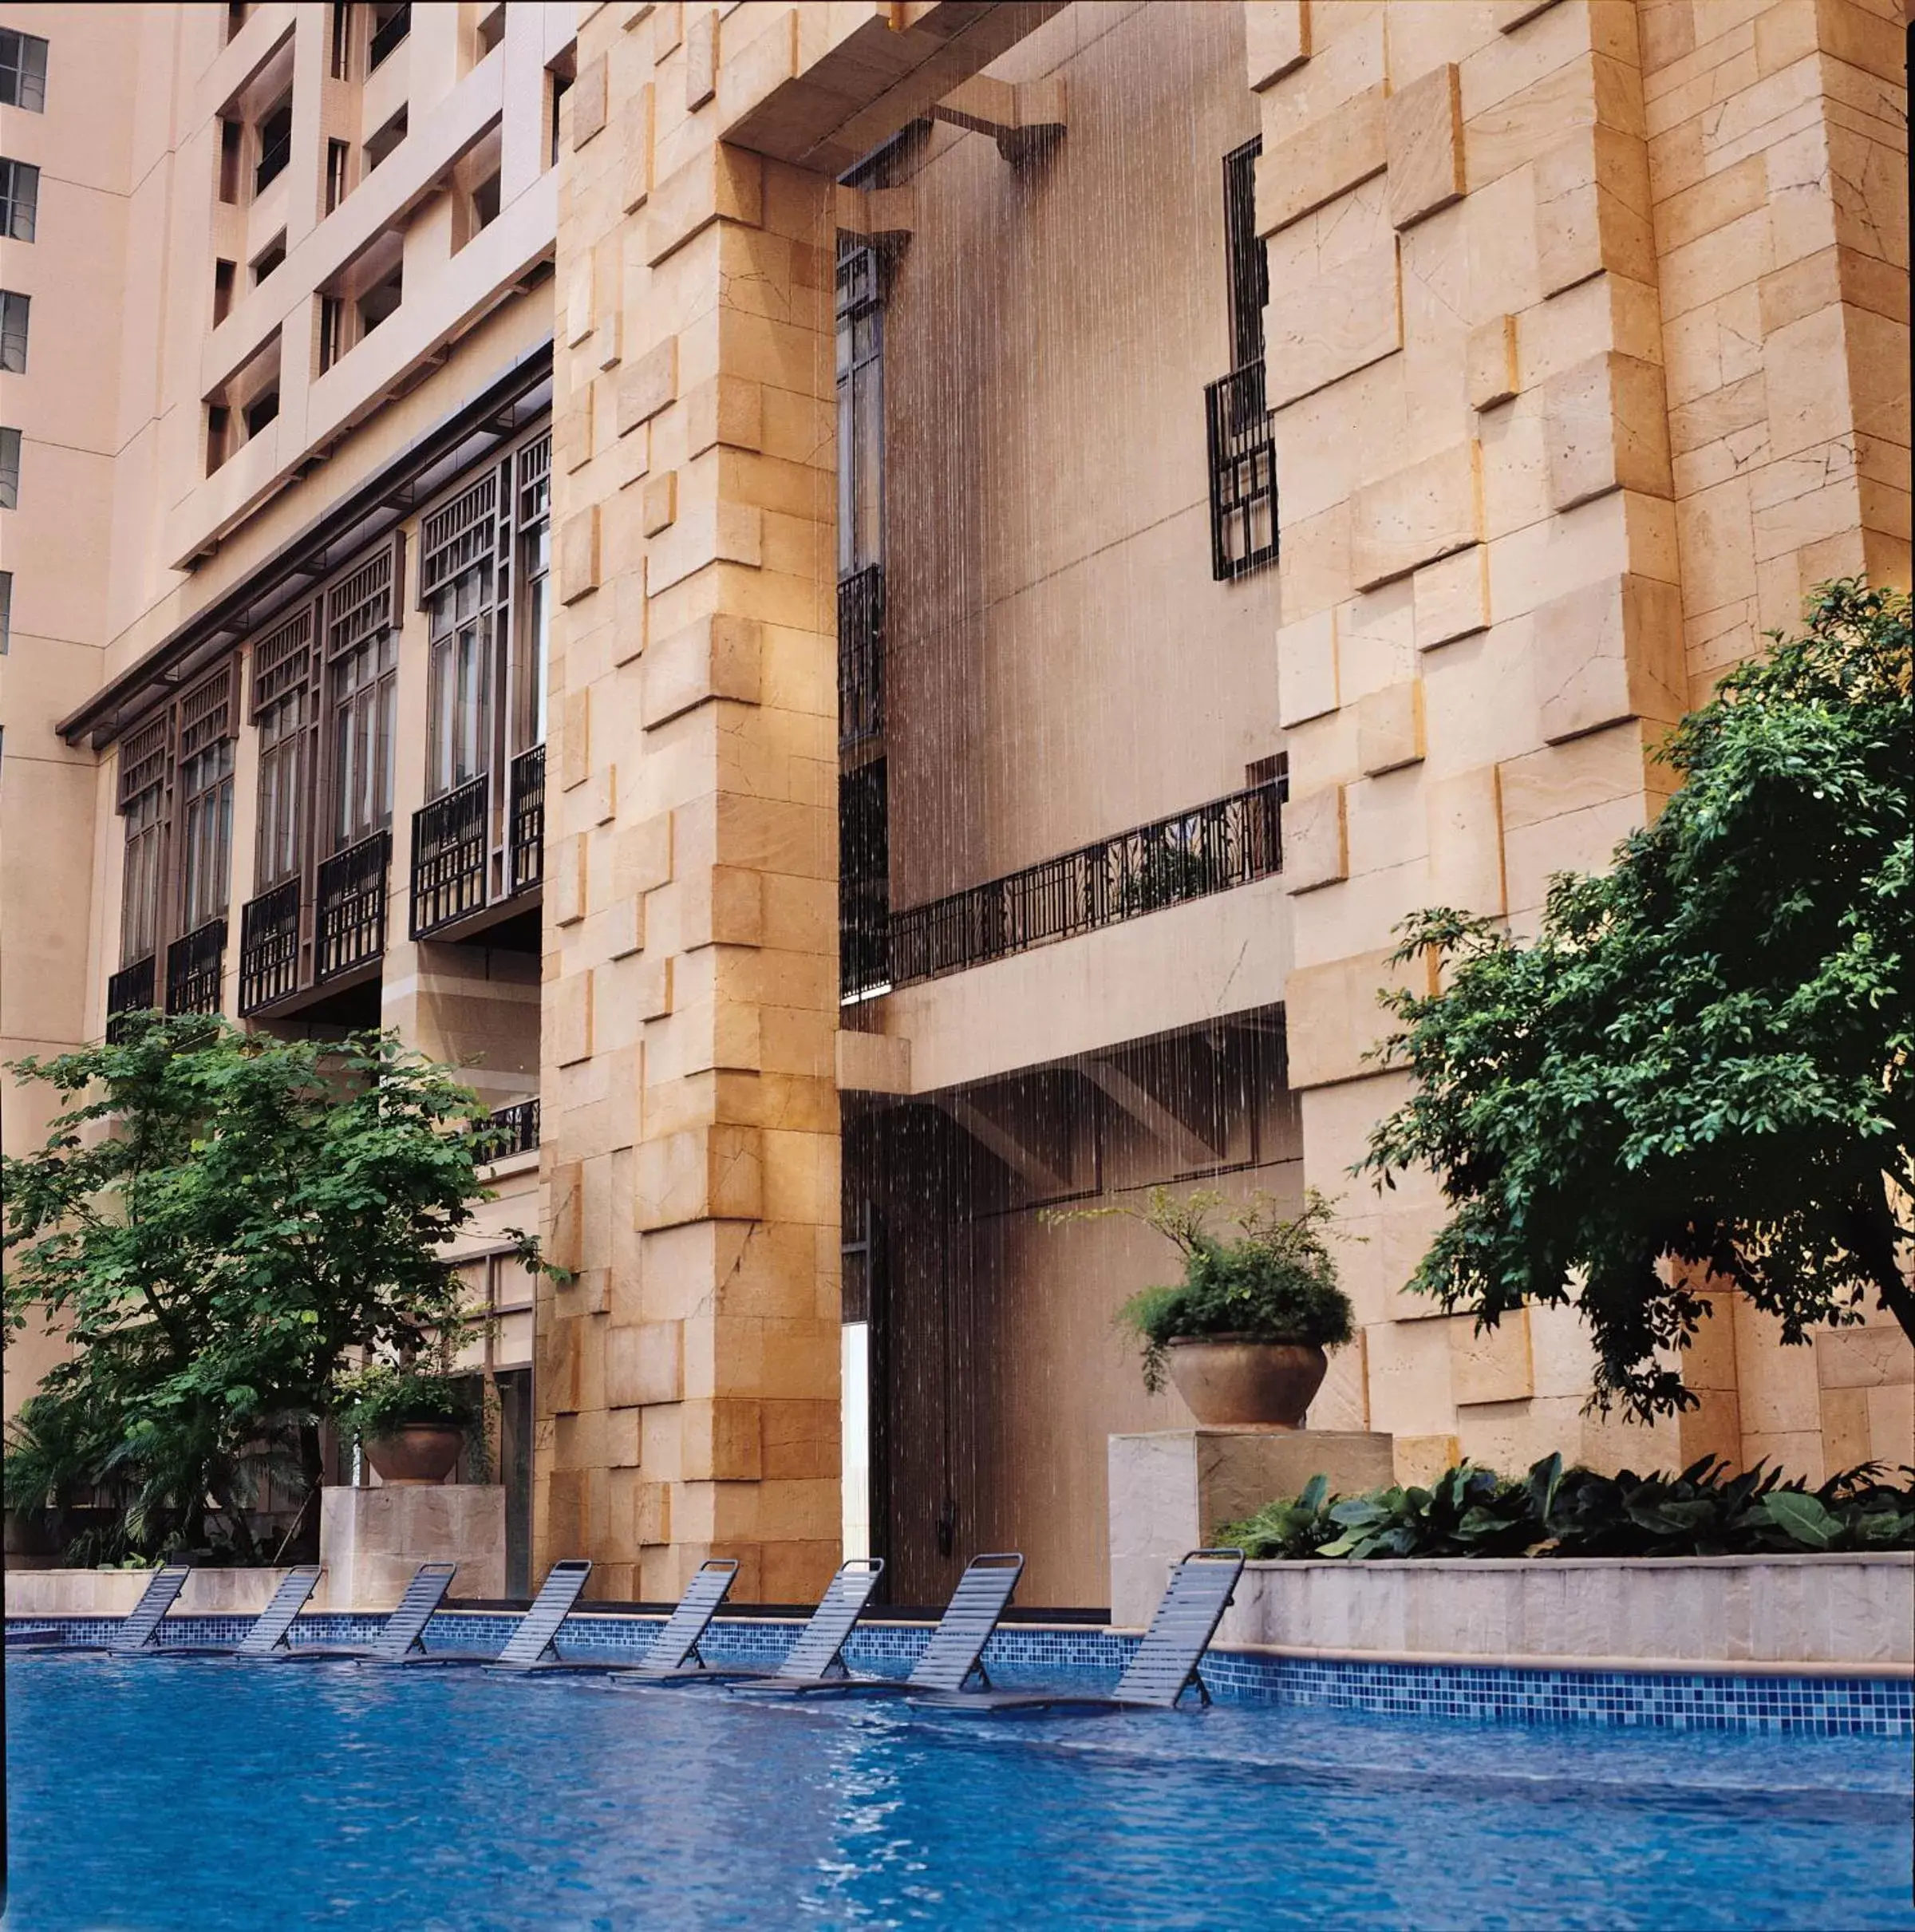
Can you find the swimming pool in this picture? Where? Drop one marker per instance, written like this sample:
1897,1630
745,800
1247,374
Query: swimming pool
204,1793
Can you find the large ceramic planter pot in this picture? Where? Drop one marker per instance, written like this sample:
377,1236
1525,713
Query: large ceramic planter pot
1229,1380
416,1452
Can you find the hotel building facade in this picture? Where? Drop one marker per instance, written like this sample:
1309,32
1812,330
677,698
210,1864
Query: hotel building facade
871,611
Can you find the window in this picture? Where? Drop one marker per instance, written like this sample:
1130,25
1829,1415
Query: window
534,564
13,331
365,695
217,423
342,37
332,331
23,71
390,26
386,139
232,137
261,410
485,203
1242,449
143,763
1247,258
337,154
224,275
235,18
456,569
282,709
6,610
860,408
380,301
492,30
269,258
275,144
9,469
19,200
206,792
562,86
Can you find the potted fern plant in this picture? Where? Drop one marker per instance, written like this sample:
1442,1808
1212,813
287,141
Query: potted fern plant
1242,1336
412,1425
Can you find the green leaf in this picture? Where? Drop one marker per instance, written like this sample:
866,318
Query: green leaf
1801,1516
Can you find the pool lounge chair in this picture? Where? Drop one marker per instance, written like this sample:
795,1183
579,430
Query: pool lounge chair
1165,1664
402,1633
139,1628
529,1642
268,1632
677,1639
813,1657
955,1651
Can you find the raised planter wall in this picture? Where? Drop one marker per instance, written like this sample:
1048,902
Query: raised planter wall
1827,1611
113,1593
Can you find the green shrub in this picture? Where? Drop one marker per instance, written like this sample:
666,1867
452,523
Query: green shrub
381,1400
1555,1511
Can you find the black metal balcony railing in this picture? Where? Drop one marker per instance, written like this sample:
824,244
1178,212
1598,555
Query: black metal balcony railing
193,968
129,990
273,159
525,865
398,23
1228,842
1243,473
269,947
450,842
352,907
508,1131
861,657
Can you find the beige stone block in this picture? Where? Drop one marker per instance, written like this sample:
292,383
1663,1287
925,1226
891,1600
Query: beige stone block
1864,1358
1608,651
1845,1427
1511,14
1417,515
1333,1017
624,928
640,134
1452,597
701,1174
1328,328
651,989
727,411
873,1063
721,1441
701,59
718,183
748,76
1607,428
1562,780
587,102
1419,1460
1422,136
658,503
1320,161
1490,356
1277,39
572,430
642,856
722,905
571,1001
1316,840
1831,275
578,571
564,1218
1409,1371
1593,210
574,759
1491,1366
601,794
1389,728
648,385
567,882
631,614
1306,667
719,657
1466,842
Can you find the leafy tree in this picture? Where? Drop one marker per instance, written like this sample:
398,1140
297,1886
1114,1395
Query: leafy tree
1702,1061
214,1221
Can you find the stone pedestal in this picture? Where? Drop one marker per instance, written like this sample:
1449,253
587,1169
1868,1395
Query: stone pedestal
372,1540
1171,1489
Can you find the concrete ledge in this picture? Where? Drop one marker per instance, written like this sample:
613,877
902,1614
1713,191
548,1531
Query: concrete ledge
1653,1614
113,1593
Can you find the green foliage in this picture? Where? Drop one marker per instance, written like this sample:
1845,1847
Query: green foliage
1276,1281
1704,1058
1555,1511
381,1398
218,1222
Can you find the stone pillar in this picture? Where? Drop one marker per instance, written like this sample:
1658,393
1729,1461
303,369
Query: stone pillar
687,1378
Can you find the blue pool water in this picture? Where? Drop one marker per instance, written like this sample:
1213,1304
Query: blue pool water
204,1794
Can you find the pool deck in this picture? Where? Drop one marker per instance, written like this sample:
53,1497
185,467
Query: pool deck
1872,1700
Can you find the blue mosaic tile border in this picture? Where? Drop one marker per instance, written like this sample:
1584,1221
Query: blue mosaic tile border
1492,1694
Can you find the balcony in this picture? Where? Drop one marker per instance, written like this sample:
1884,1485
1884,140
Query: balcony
269,947
194,966
1243,473
129,990
1228,842
526,859
391,31
449,850
352,907
861,657
511,1130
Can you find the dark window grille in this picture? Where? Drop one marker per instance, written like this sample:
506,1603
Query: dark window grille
275,146
861,657
528,819
508,1131
269,947
458,535
1226,843
1243,473
1245,256
864,883
129,990
449,846
393,30
193,968
19,200
352,906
